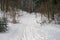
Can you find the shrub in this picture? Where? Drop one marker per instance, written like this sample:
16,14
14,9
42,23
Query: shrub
3,25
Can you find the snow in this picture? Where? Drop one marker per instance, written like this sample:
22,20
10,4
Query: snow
1,13
30,29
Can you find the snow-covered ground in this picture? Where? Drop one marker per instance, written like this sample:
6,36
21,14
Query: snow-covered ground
30,29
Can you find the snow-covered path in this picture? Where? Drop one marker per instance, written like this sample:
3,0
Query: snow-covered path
35,31
28,29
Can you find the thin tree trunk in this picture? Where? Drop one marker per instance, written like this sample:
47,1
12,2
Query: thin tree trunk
14,17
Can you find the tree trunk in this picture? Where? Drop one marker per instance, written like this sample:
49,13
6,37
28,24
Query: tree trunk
14,17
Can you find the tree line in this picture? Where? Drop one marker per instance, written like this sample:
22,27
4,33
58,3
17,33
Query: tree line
46,7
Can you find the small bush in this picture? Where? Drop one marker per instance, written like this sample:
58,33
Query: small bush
3,25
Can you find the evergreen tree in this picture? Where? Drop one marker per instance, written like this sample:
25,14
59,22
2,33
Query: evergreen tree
3,25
